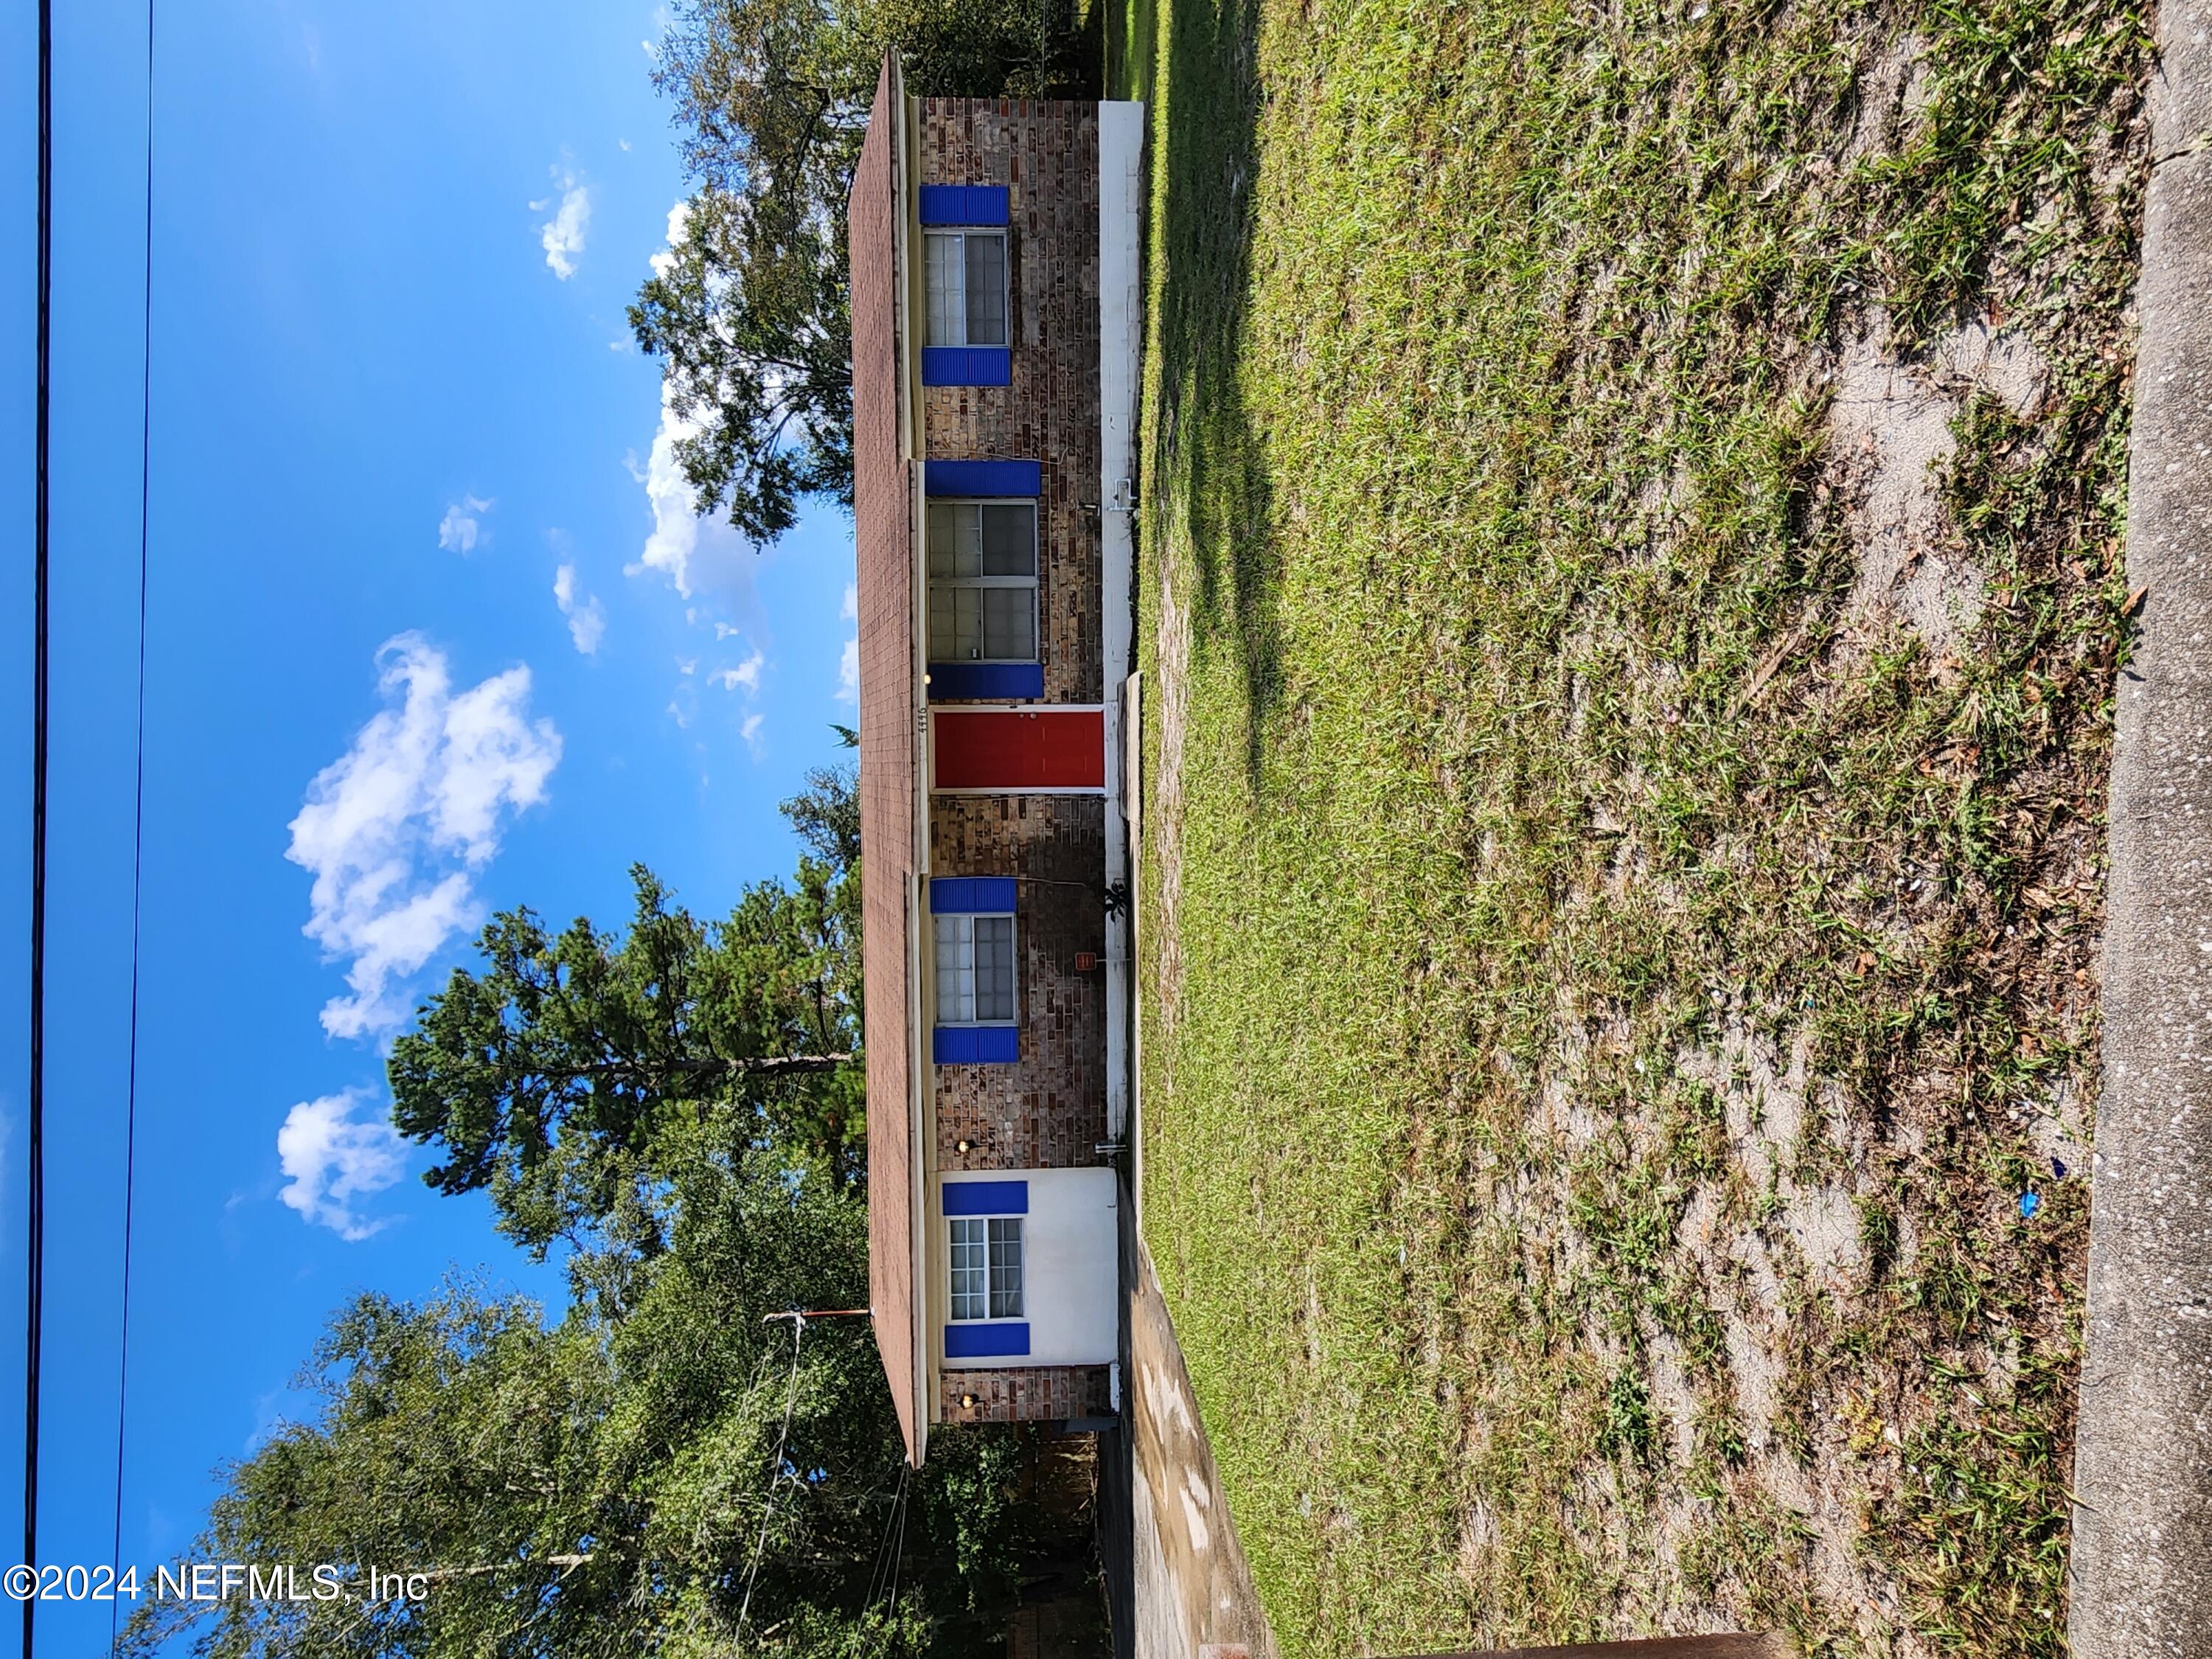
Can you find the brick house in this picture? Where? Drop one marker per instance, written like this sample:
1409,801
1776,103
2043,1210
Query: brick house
993,249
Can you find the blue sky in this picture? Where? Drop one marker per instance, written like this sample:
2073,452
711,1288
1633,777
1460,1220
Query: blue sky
433,633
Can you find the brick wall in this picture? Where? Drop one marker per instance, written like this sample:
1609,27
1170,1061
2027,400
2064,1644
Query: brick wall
1029,1394
1047,1110
1047,155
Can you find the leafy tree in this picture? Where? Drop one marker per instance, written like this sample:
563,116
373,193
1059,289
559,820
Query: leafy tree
749,309
545,1076
659,1471
826,815
603,1485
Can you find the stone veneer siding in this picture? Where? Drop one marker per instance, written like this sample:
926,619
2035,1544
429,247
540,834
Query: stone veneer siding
1047,155
1035,1394
1047,1110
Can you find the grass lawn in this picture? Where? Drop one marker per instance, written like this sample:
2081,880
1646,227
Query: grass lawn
1629,600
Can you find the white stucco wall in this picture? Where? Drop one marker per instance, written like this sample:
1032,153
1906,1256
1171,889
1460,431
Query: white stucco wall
1071,1268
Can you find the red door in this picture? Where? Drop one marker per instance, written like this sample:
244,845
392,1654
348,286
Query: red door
1017,749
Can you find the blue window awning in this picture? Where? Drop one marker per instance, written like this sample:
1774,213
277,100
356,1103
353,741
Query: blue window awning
986,1341
990,896
967,366
982,477
975,1045
965,204
985,1197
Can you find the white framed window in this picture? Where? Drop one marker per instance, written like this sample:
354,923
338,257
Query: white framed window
987,1267
974,969
966,273
982,580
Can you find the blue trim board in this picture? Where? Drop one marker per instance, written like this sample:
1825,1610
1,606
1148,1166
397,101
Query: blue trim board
986,1341
990,896
986,682
985,1197
975,1045
964,204
967,366
982,477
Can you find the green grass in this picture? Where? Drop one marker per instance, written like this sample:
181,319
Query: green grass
1521,790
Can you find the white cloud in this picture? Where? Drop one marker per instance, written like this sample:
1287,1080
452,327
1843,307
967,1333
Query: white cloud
694,554
563,235
750,733
848,662
679,218
459,531
587,620
332,1158
395,829
746,674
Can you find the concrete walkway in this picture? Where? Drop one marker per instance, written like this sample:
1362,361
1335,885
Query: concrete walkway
1185,1590
2142,1537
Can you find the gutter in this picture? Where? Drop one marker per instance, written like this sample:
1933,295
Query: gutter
920,1103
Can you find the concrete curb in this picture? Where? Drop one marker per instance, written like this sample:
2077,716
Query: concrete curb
2142,1564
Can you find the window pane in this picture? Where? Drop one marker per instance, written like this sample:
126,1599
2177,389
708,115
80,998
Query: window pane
966,539
1007,1268
946,270
987,289
968,622
954,621
969,1270
940,539
940,622
1009,540
955,971
993,973
955,539
1010,622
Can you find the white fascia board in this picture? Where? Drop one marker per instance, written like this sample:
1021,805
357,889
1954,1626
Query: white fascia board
1121,340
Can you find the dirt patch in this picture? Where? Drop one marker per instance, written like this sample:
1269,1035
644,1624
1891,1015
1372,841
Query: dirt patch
1893,98
1892,436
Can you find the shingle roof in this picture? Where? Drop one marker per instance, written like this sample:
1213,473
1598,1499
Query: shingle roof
882,511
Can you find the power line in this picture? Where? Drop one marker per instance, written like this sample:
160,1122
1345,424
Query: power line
137,844
775,1478
35,1210
879,1574
898,1560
